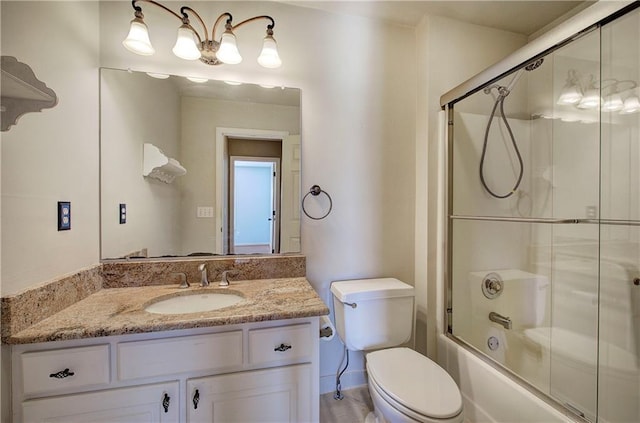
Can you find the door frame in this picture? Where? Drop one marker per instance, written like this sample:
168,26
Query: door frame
275,201
222,170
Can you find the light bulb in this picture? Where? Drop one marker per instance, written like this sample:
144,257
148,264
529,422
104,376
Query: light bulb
228,51
269,57
196,79
631,105
158,75
570,95
590,100
137,40
613,103
185,47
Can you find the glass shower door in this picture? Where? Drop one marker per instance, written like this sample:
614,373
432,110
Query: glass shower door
524,232
619,371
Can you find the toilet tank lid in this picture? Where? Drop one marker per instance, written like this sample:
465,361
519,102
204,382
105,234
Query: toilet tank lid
370,289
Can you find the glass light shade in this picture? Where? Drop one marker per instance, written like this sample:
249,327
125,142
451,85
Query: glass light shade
613,103
269,57
631,105
228,51
590,100
137,40
185,47
570,95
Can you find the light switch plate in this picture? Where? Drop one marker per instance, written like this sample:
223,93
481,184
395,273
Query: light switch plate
204,212
64,215
122,211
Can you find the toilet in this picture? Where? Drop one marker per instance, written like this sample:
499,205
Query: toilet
376,316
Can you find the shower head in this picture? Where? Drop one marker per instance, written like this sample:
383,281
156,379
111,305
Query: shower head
505,91
531,66
534,65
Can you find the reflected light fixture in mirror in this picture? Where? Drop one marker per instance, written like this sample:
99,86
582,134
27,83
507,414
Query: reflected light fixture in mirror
190,45
585,92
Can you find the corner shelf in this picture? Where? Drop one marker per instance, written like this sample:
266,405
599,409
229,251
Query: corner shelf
157,165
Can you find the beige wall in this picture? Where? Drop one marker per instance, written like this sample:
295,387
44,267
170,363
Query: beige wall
449,52
51,156
200,118
138,109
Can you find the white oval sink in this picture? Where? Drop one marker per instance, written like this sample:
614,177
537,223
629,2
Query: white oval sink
193,303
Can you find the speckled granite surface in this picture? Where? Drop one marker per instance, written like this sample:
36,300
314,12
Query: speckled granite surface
122,273
34,314
119,311
27,308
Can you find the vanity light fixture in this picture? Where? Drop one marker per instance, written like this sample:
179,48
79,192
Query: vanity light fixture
190,45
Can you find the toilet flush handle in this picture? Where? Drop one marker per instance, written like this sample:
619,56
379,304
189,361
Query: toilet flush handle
352,305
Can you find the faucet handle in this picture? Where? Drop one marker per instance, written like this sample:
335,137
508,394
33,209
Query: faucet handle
225,277
183,279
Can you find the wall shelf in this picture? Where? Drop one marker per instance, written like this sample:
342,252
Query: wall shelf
159,166
21,92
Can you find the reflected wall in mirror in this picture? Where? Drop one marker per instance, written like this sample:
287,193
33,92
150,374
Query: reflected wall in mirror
240,147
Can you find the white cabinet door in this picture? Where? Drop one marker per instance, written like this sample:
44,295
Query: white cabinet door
140,404
276,395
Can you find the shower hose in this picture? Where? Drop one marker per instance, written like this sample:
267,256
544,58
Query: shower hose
502,94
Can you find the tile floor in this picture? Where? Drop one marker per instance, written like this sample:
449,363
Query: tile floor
353,408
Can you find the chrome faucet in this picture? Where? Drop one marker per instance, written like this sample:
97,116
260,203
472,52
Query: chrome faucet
225,278
204,281
501,320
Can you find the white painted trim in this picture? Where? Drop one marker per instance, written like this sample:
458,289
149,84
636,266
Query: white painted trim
221,170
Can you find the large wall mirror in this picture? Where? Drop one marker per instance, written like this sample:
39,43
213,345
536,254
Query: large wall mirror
192,167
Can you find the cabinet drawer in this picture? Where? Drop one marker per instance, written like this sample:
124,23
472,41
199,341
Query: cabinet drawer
158,357
286,343
64,369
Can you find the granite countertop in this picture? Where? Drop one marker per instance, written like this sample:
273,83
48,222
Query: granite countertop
119,311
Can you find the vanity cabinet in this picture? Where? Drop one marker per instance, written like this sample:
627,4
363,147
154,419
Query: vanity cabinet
281,394
140,404
253,372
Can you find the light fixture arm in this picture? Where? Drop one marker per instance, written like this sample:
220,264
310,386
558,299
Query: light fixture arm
255,18
138,9
185,20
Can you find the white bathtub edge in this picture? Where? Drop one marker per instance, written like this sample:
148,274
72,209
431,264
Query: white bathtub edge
488,395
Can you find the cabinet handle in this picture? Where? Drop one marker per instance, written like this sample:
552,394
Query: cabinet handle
282,348
196,399
62,374
165,402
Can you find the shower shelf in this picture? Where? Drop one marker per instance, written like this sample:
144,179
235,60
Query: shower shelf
547,220
523,219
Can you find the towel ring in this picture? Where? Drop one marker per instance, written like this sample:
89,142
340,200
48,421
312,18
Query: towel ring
315,190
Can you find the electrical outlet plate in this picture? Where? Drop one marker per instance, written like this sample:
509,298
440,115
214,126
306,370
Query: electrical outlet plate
64,215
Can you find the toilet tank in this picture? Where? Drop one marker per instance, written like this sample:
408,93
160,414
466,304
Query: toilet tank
373,313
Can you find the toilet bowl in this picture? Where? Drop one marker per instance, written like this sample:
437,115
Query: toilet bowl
406,386
376,316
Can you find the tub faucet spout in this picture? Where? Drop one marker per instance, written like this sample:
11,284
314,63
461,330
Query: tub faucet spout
501,320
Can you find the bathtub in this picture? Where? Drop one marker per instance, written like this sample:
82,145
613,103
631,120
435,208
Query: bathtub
490,396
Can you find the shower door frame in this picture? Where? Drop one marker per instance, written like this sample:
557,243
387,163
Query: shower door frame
583,23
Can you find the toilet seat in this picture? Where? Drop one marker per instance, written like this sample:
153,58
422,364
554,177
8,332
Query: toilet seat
413,384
